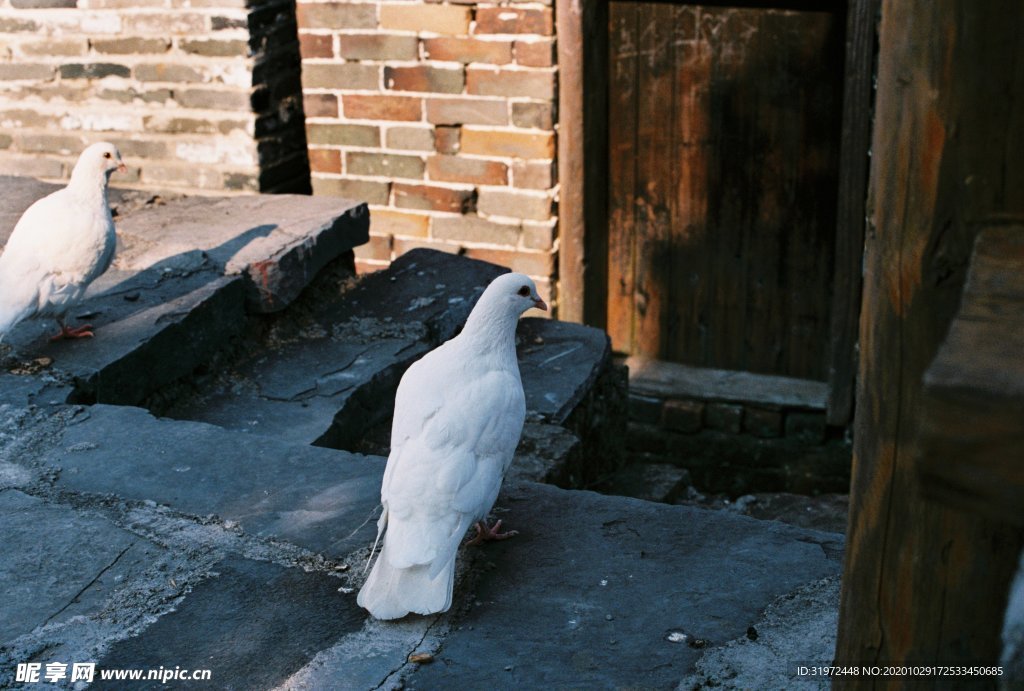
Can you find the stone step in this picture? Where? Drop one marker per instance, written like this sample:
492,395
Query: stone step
328,387
186,274
596,591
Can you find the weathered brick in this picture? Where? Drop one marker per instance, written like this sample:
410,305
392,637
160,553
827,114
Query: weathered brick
506,143
33,166
165,23
529,263
424,78
325,160
467,50
25,117
514,204
533,175
438,19
474,229
42,4
466,111
533,115
403,245
55,47
807,427
389,222
379,246
471,170
215,47
491,81
213,99
411,138
369,191
320,105
130,95
228,23
18,72
369,266
50,143
133,45
176,125
333,15
142,148
316,45
448,140
10,25
682,416
200,177
429,197
350,75
378,47
513,20
342,135
168,72
5,141
762,422
372,107
384,165
246,182
94,70
726,417
538,236
535,53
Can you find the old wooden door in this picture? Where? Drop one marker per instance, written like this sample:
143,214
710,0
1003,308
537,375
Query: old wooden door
724,128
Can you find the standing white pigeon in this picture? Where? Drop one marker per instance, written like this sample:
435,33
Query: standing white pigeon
459,414
61,244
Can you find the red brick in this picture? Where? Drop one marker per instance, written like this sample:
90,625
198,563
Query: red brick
472,228
533,114
512,20
369,191
386,221
467,50
325,160
331,15
378,47
505,143
320,105
491,81
538,236
472,170
465,111
316,46
424,78
348,75
533,175
362,107
364,266
529,263
448,140
378,248
439,19
411,138
514,204
384,165
535,53
428,197
403,245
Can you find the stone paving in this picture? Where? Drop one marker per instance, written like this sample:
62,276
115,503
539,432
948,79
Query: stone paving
227,528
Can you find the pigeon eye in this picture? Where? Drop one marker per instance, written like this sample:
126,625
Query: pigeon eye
106,154
525,291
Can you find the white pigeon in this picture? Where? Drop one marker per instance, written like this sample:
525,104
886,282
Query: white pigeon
61,244
459,413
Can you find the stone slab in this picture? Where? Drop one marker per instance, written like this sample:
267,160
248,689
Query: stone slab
559,363
592,590
56,562
316,498
276,242
252,624
669,379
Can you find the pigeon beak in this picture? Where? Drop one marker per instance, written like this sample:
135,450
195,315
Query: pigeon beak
121,167
540,304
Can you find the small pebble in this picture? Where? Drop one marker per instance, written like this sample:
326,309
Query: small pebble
752,633
341,567
421,658
508,668
345,590
608,617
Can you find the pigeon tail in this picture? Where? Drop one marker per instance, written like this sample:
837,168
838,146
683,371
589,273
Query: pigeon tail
392,593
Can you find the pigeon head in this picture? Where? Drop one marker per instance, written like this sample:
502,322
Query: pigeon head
515,291
99,160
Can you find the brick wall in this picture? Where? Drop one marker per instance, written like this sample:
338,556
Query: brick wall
442,117
199,95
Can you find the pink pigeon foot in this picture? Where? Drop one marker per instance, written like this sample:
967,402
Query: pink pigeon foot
485,534
84,331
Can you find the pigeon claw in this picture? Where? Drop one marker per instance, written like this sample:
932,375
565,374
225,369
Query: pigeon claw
485,534
84,331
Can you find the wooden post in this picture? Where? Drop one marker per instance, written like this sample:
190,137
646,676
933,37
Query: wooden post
924,583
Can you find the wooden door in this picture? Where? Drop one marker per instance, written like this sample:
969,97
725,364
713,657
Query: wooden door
724,129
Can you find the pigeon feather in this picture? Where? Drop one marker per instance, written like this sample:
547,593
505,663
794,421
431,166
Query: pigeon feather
459,413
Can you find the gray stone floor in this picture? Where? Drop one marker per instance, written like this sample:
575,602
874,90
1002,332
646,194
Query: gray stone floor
222,538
